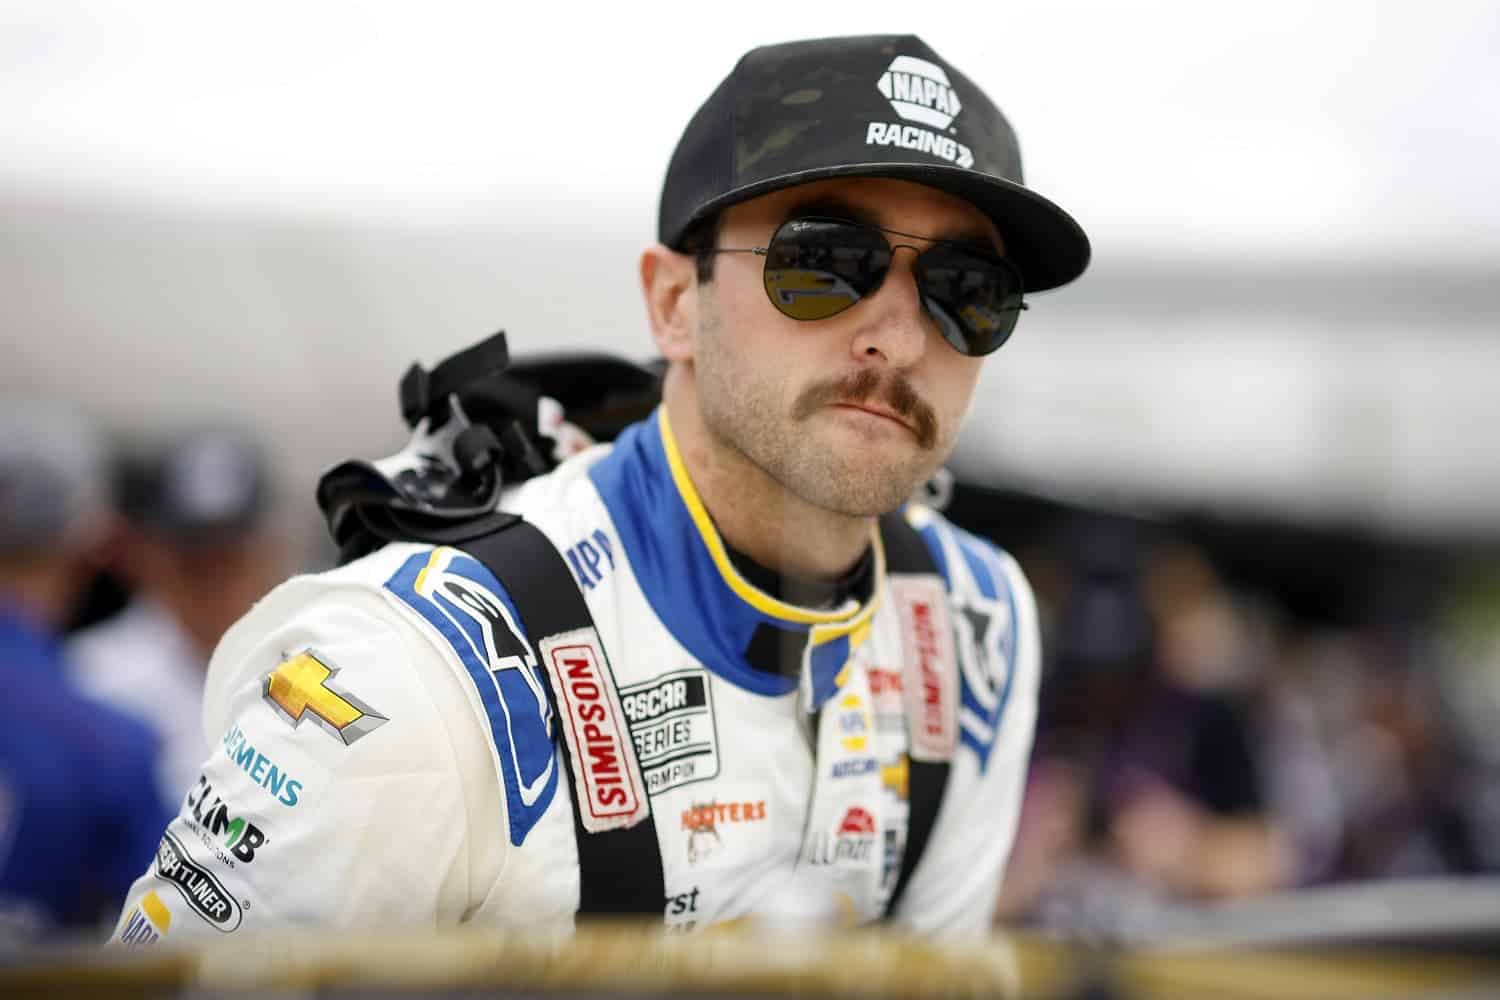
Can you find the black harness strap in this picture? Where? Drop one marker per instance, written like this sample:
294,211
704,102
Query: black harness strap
619,869
906,553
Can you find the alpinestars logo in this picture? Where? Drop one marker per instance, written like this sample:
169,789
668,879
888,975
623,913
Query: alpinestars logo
919,91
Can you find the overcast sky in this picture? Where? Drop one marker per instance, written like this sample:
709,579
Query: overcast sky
1185,126
1292,203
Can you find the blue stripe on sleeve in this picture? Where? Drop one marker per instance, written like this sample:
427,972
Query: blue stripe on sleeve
518,715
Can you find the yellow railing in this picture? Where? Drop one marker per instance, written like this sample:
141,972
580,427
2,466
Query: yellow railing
613,958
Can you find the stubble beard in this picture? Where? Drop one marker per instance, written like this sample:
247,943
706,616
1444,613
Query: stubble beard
743,409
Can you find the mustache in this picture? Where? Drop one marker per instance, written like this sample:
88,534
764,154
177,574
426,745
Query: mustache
867,385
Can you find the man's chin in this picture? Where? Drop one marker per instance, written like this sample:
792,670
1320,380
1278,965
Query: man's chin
856,489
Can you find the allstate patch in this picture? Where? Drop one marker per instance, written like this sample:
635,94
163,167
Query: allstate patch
460,598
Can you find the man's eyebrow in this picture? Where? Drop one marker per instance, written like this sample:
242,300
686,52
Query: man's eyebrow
967,235
834,208
972,238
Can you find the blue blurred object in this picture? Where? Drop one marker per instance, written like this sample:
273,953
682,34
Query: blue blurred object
80,815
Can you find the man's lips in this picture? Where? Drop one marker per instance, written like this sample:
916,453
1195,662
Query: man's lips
874,411
888,395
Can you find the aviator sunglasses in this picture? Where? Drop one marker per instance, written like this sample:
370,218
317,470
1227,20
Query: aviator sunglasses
817,267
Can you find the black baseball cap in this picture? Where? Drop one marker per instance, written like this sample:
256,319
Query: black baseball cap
206,484
865,106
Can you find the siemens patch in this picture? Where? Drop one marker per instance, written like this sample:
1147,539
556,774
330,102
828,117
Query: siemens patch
262,770
672,725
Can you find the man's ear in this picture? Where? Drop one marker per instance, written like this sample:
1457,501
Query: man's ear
669,285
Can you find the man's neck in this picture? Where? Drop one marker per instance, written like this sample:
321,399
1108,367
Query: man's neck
754,513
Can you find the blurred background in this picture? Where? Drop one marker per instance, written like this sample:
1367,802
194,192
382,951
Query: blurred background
1248,461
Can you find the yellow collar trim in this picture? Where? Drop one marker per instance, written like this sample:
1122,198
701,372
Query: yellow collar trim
746,591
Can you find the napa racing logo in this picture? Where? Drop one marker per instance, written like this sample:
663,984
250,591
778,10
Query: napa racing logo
919,92
220,830
854,723
148,923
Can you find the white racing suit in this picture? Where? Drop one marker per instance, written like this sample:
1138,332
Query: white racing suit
384,753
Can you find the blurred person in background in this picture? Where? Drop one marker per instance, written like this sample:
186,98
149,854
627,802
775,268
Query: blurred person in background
1409,731
1378,738
80,811
196,550
1302,711
1467,700
1145,785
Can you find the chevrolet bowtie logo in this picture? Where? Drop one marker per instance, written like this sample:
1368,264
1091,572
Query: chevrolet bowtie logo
301,688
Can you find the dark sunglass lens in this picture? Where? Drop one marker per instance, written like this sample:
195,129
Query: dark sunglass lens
816,269
975,299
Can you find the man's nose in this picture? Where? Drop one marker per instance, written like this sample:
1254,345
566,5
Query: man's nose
895,324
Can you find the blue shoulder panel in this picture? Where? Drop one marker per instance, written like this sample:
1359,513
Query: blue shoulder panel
462,599
930,538
976,553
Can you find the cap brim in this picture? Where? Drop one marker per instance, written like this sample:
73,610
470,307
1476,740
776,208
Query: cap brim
1042,240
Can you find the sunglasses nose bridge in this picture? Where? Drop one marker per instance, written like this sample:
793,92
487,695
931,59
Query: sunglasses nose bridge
890,266
916,250
900,289
910,268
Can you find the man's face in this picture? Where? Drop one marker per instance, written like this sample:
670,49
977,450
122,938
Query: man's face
849,413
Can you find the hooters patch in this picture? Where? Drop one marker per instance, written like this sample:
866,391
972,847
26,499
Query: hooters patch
930,675
593,723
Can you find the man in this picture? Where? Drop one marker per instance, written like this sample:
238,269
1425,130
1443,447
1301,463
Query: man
197,553
79,813
843,236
